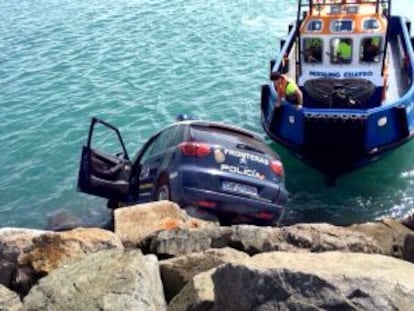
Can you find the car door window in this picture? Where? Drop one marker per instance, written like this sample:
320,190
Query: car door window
177,136
159,144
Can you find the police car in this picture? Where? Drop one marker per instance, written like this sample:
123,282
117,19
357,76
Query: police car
213,167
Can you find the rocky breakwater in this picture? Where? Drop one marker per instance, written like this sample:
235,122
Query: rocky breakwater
159,258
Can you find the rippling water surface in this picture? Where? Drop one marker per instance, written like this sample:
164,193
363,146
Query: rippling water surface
137,64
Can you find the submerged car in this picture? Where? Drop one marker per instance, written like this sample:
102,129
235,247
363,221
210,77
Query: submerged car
221,169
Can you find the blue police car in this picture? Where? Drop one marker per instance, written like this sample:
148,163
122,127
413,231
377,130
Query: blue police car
210,166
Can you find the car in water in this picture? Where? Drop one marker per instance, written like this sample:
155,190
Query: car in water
212,167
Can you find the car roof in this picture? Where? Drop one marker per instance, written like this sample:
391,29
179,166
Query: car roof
216,124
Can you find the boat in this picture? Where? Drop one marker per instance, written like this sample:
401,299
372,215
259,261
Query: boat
355,109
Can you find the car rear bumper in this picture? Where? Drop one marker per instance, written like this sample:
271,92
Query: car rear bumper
229,203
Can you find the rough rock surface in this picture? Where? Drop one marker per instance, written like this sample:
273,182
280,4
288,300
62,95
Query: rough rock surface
179,242
302,237
254,240
13,242
388,234
9,301
408,253
197,295
151,217
48,250
106,280
309,281
176,272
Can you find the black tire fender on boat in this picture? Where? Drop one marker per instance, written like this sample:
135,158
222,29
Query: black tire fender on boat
340,91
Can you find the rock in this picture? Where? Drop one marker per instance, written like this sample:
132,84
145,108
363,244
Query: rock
197,295
9,301
106,280
63,220
13,242
253,240
408,253
134,224
176,272
315,281
301,238
186,241
49,250
388,234
409,222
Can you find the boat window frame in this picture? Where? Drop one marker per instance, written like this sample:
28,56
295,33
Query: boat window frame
379,54
370,29
310,22
333,53
305,47
352,9
333,30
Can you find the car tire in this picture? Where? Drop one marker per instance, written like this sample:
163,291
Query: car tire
163,192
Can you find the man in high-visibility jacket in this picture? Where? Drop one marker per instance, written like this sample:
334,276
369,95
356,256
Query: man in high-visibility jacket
286,88
344,50
371,49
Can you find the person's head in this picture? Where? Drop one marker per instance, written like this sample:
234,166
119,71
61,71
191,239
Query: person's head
275,75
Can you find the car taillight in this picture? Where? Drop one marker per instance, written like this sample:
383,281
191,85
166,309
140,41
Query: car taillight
277,167
195,149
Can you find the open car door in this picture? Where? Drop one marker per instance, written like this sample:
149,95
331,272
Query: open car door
106,175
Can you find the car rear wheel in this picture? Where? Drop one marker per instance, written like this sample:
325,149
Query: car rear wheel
163,192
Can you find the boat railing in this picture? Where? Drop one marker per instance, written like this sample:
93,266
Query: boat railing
311,5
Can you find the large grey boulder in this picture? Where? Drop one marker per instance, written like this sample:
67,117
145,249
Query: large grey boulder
9,301
310,281
176,272
107,280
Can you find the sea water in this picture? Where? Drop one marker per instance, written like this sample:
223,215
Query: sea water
137,64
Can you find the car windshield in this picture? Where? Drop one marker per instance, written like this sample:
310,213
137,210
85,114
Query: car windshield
230,138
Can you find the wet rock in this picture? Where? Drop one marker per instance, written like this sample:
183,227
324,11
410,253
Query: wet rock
106,280
62,220
408,253
409,222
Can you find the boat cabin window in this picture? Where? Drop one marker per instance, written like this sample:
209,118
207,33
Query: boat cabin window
312,50
335,9
370,49
314,26
341,25
370,24
352,9
341,50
